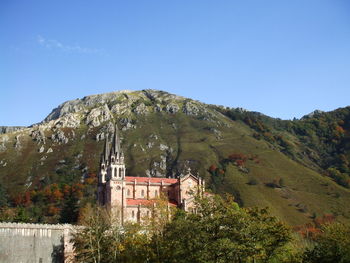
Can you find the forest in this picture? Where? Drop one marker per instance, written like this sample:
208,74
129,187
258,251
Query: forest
219,231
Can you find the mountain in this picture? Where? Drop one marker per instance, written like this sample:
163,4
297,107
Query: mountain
299,169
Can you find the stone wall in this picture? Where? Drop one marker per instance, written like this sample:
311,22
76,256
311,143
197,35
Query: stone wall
35,243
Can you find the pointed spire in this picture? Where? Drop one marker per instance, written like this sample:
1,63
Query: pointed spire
105,150
116,142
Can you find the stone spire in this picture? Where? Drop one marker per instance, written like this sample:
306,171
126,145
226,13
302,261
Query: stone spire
104,156
116,142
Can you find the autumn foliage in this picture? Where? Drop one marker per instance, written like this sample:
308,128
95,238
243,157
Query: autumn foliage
57,202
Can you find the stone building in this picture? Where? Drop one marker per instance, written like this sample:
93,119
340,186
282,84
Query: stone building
132,197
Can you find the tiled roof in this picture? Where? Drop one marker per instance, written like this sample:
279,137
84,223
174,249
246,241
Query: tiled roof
150,179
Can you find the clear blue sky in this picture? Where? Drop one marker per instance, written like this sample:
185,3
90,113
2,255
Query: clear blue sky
282,58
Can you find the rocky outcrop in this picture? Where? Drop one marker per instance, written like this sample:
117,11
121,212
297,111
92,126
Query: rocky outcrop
18,144
4,139
8,129
158,168
312,114
172,108
127,124
38,135
71,120
189,108
105,98
49,150
42,149
109,128
98,116
67,107
121,108
163,147
59,137
141,109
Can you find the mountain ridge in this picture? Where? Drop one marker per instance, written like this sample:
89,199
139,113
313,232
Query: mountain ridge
261,160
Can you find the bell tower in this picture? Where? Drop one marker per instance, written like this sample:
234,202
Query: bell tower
111,183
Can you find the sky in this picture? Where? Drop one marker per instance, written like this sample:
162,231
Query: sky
282,58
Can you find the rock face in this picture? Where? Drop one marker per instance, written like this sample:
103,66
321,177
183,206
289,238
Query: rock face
65,108
312,114
4,139
98,116
59,137
127,124
141,109
88,121
172,108
70,120
38,135
18,144
8,129
84,104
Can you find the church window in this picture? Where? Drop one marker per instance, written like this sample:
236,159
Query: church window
120,172
115,172
143,192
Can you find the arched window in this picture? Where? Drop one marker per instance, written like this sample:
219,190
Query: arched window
156,193
128,192
132,214
115,172
120,172
142,192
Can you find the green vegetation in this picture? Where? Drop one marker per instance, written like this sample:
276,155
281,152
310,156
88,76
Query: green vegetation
219,231
331,245
297,168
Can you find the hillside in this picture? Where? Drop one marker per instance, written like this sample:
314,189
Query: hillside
297,168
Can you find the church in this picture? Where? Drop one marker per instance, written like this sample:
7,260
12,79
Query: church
132,197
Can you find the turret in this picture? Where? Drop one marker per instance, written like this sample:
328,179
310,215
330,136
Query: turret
103,163
116,165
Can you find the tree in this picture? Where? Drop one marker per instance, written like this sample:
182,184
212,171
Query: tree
92,243
3,197
332,245
221,232
218,232
103,239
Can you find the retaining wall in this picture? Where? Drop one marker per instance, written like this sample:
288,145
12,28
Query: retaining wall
35,243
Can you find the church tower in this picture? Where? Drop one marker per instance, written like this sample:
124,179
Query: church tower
111,179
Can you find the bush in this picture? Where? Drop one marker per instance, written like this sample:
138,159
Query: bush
332,245
253,181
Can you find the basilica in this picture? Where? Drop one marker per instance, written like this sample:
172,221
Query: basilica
132,197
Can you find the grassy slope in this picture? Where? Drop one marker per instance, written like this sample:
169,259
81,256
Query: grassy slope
194,143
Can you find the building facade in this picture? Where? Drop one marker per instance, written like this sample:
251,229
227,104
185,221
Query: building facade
131,198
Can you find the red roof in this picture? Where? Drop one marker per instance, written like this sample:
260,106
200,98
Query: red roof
145,202
150,179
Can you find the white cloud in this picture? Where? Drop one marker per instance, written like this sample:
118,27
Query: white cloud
54,44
